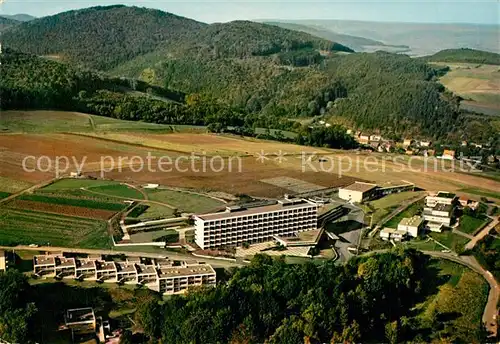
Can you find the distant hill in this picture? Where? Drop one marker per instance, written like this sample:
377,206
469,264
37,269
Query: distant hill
423,38
245,74
465,56
19,17
6,23
104,37
99,37
355,42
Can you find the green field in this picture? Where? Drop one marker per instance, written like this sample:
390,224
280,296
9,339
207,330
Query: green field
28,227
119,190
184,201
40,121
413,209
156,211
170,234
68,184
84,203
4,194
469,224
458,305
385,205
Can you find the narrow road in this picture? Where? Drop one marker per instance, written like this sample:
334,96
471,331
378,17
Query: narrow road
484,232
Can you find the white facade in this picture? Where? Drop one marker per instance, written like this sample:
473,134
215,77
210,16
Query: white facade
166,277
411,225
357,192
440,198
236,226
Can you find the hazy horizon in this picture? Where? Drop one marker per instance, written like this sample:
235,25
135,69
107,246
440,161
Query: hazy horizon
402,11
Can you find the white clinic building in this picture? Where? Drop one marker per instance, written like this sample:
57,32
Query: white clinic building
254,224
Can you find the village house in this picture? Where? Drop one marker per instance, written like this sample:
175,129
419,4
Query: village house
448,154
407,143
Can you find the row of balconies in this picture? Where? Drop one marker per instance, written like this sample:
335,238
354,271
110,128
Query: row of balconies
263,225
263,218
274,229
271,218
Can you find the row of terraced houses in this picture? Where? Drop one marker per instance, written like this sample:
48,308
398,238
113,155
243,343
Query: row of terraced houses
161,275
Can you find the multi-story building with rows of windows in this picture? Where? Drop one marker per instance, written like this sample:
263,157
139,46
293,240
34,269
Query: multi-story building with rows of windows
252,224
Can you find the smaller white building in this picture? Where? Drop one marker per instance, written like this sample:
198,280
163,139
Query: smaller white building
392,234
385,234
411,225
357,192
3,261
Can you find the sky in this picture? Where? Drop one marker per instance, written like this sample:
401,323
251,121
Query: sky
424,11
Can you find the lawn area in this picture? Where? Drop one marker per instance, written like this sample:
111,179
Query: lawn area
184,201
458,305
482,192
169,234
68,184
449,239
84,203
385,205
112,124
28,227
44,121
119,190
469,224
412,210
155,211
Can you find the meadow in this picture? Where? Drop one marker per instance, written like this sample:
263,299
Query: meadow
131,139
26,227
478,84
185,201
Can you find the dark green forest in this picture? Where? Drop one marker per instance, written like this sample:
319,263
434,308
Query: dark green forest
368,300
465,56
30,82
78,37
263,75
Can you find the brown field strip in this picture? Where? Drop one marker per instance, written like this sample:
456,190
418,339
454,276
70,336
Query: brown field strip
59,209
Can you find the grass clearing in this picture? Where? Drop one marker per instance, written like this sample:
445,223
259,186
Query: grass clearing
119,190
29,227
450,240
68,184
169,234
384,206
410,211
185,201
155,211
469,224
